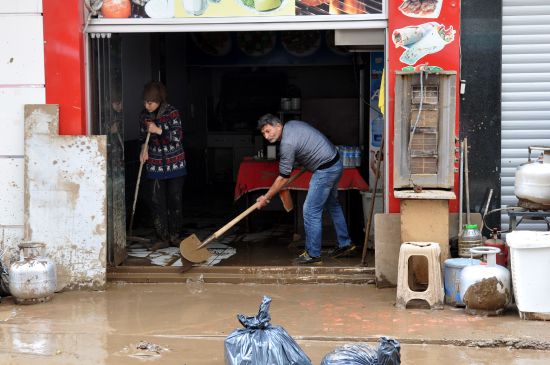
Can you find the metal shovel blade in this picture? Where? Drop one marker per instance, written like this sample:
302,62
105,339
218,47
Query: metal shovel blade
189,251
186,265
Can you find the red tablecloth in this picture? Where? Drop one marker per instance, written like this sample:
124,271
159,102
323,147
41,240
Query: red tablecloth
260,174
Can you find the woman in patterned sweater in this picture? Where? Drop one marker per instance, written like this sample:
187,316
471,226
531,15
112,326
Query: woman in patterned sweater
164,161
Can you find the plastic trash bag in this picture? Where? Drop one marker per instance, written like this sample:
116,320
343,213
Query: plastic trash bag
356,354
387,353
4,281
260,343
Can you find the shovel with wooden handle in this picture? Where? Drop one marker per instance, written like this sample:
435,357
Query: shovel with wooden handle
192,249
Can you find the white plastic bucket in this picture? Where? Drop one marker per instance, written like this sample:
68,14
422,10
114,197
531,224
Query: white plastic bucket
530,258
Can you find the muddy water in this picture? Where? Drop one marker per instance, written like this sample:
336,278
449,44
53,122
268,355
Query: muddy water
186,324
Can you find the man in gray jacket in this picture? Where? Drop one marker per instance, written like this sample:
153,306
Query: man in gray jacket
304,144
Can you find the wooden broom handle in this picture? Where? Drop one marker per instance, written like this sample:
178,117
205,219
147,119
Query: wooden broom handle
146,144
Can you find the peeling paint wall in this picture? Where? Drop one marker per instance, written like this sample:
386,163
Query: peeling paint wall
65,198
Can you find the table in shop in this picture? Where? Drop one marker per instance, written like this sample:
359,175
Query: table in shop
259,174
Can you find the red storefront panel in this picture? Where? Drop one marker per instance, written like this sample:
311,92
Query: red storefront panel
65,63
420,33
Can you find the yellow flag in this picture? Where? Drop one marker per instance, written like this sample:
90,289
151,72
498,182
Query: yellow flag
382,92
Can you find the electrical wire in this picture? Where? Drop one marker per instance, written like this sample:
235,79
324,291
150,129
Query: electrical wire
415,124
498,210
361,97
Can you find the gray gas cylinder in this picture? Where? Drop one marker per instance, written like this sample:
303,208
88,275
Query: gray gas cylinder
33,278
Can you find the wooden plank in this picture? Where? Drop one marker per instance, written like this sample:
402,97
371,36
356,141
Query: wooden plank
65,198
427,221
387,241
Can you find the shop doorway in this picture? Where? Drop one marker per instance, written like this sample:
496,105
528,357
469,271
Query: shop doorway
222,83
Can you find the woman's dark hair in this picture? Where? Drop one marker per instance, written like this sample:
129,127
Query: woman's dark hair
155,91
268,119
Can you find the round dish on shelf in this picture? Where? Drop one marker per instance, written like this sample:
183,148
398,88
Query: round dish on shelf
301,43
256,43
213,43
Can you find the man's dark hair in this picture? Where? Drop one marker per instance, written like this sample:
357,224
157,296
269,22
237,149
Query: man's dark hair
268,119
155,91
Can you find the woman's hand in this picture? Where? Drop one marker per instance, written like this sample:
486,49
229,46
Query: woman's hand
144,154
152,128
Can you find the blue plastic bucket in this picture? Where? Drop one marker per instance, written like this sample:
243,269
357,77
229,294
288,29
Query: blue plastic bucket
453,267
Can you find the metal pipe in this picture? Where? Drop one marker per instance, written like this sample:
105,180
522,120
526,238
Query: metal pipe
361,110
373,198
467,181
489,197
488,202
461,192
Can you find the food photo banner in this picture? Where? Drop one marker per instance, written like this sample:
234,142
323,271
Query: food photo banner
423,35
310,47
164,9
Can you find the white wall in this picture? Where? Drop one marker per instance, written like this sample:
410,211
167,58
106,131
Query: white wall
21,82
21,7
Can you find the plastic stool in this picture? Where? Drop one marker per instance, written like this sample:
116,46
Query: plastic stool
434,294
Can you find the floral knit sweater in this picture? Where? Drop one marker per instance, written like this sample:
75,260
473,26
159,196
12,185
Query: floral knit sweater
166,155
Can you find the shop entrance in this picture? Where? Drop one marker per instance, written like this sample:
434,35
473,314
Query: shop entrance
221,83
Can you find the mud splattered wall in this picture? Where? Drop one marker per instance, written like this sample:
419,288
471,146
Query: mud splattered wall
65,198
21,82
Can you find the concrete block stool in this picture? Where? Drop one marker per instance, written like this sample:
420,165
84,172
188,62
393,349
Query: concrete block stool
434,294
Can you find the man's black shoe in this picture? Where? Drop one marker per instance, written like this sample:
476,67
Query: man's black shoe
348,250
305,259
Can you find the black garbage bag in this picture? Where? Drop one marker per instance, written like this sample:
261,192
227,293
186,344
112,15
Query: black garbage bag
4,281
356,354
260,343
387,353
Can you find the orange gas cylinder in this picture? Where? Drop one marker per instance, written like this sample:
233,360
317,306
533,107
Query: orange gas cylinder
494,241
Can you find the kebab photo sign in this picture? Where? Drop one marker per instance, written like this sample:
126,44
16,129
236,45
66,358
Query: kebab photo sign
425,37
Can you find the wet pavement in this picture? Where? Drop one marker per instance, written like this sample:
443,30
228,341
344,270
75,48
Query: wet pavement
187,323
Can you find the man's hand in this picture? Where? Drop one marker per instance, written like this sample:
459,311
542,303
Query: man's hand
278,184
263,201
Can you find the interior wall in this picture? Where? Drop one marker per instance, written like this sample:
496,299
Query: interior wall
190,89
329,96
136,66
324,81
